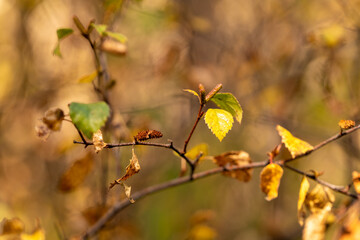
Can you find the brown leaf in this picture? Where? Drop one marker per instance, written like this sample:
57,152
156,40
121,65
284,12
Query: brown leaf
113,47
304,188
76,174
53,118
356,181
131,169
127,192
236,159
98,141
11,226
42,131
147,134
295,145
270,178
346,124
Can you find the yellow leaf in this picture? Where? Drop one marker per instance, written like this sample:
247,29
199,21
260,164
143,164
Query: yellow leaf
76,174
88,78
219,122
304,188
37,235
202,232
270,178
192,92
356,181
346,124
235,158
131,169
295,145
333,35
350,228
194,152
319,198
98,141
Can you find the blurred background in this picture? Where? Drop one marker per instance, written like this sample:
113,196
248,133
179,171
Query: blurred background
288,62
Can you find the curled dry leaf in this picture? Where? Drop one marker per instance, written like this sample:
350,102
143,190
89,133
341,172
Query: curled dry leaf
147,134
346,124
356,181
236,159
53,118
304,188
270,178
76,174
131,169
127,192
318,198
98,141
295,145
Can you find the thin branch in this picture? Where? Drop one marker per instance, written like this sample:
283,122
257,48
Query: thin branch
153,189
336,188
200,114
93,230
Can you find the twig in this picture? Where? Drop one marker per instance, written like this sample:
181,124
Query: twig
336,188
200,114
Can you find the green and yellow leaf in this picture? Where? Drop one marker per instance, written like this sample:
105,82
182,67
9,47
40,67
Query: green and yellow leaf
295,145
219,122
270,178
228,102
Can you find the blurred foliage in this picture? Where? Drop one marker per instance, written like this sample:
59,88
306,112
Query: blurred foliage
288,62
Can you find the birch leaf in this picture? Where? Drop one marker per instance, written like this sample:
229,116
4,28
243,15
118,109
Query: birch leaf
219,122
295,145
98,141
304,188
228,102
127,192
270,178
192,92
235,158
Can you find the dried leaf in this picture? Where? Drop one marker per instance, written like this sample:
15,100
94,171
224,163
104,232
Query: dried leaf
219,122
346,124
113,47
127,192
356,181
42,131
295,145
350,228
53,118
270,178
98,141
131,169
76,174
147,134
319,198
11,226
235,158
304,188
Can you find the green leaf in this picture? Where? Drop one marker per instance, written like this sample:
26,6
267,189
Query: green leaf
100,28
228,102
56,50
219,122
88,78
63,32
117,36
89,118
